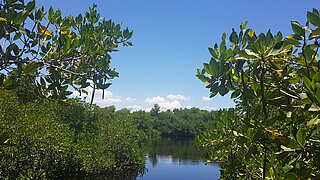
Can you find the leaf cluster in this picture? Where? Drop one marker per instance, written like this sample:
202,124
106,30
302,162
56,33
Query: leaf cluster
275,82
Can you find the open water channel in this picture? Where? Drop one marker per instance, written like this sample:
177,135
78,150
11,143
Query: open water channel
177,159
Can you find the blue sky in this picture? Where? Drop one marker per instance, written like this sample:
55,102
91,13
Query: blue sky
171,38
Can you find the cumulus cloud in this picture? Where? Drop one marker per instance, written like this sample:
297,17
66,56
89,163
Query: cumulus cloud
170,104
177,97
206,98
156,99
163,103
189,107
130,99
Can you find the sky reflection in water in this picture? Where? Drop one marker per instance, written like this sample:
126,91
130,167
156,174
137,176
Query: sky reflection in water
174,159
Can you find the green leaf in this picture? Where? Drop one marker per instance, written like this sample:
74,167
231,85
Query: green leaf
243,54
51,13
214,90
84,91
31,68
223,90
308,51
313,19
287,168
8,82
103,86
291,39
207,68
17,36
307,82
214,67
213,52
316,77
15,49
301,136
291,176
235,94
317,95
234,37
31,5
127,34
297,28
113,73
3,19
255,87
200,76
314,121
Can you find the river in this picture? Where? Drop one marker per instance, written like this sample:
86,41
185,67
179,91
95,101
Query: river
177,159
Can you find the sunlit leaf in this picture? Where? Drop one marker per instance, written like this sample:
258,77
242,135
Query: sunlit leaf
314,121
301,136
313,19
3,19
45,30
297,28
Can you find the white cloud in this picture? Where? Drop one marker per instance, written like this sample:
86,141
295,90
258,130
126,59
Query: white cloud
177,97
156,99
134,107
189,107
163,103
130,99
110,100
206,98
170,104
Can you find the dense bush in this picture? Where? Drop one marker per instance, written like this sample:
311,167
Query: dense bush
184,123
49,139
275,81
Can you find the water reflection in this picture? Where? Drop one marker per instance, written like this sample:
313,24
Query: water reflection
173,161
177,159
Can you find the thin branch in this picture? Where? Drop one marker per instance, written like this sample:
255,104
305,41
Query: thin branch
50,61
314,56
93,92
62,69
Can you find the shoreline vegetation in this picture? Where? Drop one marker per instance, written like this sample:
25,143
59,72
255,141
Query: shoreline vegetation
52,139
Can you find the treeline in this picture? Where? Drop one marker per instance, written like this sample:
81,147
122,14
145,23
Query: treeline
70,139
177,123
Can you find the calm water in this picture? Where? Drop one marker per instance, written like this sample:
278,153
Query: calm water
177,159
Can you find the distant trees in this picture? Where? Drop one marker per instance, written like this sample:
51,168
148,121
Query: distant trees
178,123
155,110
275,81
